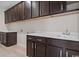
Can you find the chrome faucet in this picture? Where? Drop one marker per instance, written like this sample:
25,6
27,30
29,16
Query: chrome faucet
66,32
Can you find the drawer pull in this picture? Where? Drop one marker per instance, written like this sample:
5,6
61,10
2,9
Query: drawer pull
60,53
35,46
39,39
32,45
66,53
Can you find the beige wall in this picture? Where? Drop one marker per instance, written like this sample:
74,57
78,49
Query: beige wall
2,25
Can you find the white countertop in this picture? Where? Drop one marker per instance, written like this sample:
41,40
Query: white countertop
59,35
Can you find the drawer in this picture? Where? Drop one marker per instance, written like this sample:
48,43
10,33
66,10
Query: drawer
40,39
56,42
29,37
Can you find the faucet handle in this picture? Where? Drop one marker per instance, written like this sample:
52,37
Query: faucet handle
67,32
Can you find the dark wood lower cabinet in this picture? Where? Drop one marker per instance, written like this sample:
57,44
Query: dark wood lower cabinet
35,49
8,38
52,51
71,53
39,50
51,47
1,36
30,48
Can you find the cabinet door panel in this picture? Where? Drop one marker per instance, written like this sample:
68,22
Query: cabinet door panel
71,53
57,6
3,38
12,15
6,17
40,50
9,16
53,51
30,48
35,9
15,13
27,9
21,10
44,8
11,38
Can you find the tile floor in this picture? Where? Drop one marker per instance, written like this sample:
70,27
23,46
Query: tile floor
13,51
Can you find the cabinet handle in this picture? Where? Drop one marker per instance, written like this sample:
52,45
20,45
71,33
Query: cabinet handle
60,53
32,45
61,7
41,12
39,39
66,54
35,46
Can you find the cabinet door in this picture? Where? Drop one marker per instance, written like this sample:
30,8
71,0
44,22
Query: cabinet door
0,37
20,11
39,50
27,9
44,8
71,53
14,14
57,6
6,17
3,41
52,51
30,48
11,38
11,14
35,9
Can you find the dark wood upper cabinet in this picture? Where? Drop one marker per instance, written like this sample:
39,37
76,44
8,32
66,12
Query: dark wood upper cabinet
30,9
15,14
12,15
6,16
57,6
20,10
27,9
44,8
35,9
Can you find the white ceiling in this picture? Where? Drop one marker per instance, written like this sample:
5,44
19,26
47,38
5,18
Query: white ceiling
4,5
